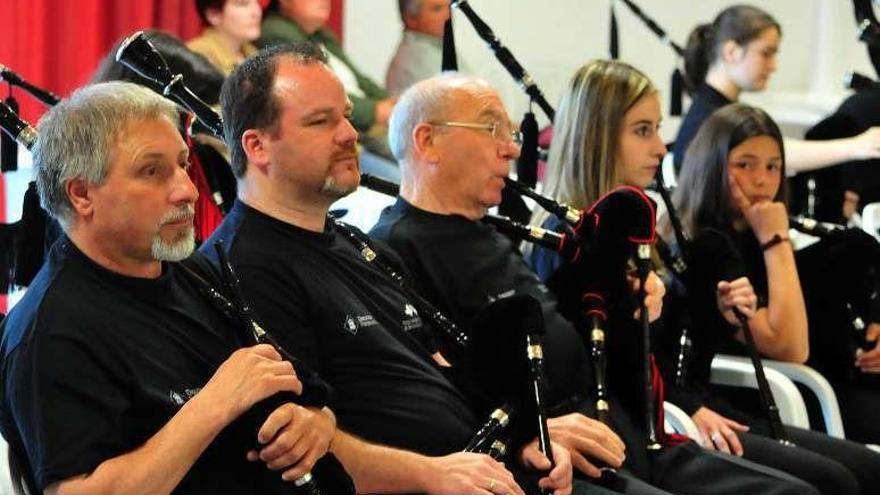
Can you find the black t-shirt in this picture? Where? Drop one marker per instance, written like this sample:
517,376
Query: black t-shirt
94,363
710,333
347,320
705,101
461,266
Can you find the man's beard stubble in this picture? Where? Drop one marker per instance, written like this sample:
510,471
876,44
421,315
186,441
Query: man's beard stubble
330,187
180,247
334,190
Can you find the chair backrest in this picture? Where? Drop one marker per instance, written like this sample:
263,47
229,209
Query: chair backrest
14,477
667,168
678,421
871,219
739,372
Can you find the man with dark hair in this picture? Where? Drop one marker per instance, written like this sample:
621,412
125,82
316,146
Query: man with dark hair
293,148
454,140
118,375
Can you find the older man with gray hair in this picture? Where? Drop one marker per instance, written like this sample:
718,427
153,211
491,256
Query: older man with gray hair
118,376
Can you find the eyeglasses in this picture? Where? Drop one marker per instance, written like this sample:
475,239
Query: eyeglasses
495,129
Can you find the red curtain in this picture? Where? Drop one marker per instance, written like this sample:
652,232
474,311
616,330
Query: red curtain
56,44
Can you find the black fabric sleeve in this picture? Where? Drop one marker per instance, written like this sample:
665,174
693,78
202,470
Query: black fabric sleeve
709,328
70,408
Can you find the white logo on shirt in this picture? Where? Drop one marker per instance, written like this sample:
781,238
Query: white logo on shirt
412,319
352,324
409,310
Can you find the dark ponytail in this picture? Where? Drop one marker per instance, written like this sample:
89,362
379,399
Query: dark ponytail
696,56
739,23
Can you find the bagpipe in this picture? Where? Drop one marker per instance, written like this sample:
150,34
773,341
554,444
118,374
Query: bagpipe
16,128
677,85
21,242
16,268
8,147
13,78
498,361
868,28
616,232
840,277
138,54
629,226
599,242
506,58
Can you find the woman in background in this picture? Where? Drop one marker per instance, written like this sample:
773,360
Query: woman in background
737,53
231,27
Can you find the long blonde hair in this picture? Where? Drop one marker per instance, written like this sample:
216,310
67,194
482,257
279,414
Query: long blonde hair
582,164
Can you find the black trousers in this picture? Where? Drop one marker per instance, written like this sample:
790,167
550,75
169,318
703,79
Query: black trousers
832,465
688,469
859,401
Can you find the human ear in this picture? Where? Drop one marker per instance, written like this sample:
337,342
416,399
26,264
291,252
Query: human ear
732,52
213,16
424,142
254,143
78,193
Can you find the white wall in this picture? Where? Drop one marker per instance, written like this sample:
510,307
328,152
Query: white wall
551,38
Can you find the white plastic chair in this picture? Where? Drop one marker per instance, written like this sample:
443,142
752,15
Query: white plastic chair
738,371
871,219
819,386
5,476
678,421
667,168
